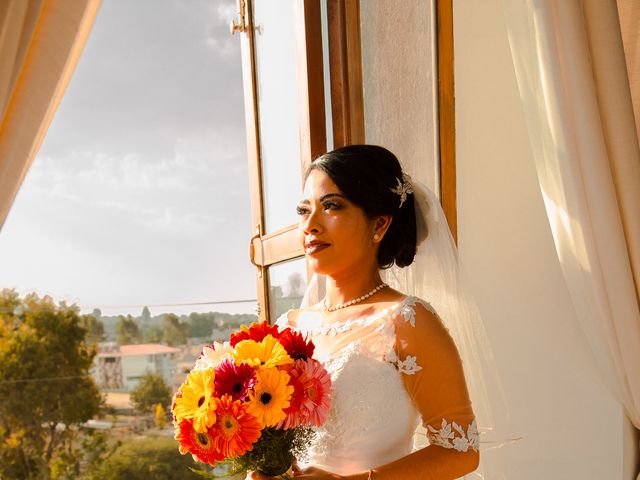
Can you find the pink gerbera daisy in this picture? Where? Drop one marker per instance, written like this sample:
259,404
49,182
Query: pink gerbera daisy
234,380
310,401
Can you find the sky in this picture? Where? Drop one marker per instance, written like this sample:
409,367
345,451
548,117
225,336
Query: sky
140,192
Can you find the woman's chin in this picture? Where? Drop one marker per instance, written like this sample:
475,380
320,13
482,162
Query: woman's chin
317,266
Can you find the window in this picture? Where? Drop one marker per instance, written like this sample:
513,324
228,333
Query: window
327,92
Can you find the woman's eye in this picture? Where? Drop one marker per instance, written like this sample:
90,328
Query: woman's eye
301,210
331,206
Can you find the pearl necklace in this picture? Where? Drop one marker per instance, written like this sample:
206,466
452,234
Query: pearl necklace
352,302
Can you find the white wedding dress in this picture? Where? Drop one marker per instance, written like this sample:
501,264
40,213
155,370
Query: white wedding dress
389,372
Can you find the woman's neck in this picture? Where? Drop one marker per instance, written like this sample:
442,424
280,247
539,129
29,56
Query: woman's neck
351,285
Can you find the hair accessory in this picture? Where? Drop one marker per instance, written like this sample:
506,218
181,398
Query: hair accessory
354,301
403,188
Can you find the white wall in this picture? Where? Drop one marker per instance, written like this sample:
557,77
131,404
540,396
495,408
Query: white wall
398,70
572,427
134,367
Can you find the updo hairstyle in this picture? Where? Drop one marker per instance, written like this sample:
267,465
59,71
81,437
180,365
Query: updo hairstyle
365,174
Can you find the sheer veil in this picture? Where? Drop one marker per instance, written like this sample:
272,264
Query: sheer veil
436,276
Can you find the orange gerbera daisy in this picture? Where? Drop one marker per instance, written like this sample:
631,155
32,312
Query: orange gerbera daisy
200,445
236,430
270,396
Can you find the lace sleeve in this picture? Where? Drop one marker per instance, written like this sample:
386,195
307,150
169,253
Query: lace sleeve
433,375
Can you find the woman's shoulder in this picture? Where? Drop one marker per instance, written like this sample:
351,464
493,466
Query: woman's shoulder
291,317
411,306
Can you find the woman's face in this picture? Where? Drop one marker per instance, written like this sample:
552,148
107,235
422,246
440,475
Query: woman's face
336,234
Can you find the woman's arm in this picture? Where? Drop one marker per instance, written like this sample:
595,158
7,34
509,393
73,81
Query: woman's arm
434,378
429,463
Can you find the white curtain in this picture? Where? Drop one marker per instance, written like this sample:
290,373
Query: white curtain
571,73
40,44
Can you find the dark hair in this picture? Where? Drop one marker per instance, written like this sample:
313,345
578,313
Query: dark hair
366,175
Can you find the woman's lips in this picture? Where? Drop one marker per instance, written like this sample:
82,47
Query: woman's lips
315,248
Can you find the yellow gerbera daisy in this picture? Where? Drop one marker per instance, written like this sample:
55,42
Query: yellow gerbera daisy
268,353
271,395
195,400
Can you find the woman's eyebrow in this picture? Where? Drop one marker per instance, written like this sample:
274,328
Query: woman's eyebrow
323,198
329,195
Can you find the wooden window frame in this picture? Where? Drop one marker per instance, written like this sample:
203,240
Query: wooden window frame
269,248
347,107
345,67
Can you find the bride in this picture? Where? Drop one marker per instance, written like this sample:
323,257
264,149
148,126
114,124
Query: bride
392,361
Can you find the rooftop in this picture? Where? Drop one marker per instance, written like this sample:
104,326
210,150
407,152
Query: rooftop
140,349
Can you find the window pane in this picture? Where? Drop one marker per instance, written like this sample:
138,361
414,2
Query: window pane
275,57
287,283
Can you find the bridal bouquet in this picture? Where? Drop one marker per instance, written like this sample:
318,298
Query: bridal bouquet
252,402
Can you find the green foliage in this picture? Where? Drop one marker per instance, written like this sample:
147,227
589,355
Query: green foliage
153,334
146,315
45,386
201,324
94,327
160,416
273,453
175,331
127,330
148,458
150,391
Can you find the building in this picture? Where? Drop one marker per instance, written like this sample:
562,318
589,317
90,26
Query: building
119,368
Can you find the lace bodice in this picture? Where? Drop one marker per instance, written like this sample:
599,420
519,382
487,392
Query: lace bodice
389,371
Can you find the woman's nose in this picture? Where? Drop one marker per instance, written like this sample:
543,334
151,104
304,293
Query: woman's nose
311,224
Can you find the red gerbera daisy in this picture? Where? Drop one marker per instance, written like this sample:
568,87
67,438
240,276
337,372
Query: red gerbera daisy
201,446
256,331
236,430
235,380
310,401
296,345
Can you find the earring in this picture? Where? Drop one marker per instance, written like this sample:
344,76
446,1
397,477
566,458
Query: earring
376,236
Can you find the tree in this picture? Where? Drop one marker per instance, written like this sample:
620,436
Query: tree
44,383
127,330
200,324
175,331
153,334
160,416
148,458
146,316
296,285
150,391
94,328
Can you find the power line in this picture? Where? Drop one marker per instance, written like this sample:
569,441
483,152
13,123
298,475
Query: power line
218,302
154,305
44,379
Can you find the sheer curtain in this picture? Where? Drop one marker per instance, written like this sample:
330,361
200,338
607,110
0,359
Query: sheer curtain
571,73
40,44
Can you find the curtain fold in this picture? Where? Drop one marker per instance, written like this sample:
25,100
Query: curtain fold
571,74
40,44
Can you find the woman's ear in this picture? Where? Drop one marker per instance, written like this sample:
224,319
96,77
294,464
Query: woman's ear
380,226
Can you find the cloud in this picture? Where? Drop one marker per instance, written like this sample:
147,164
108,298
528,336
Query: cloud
148,75
140,191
